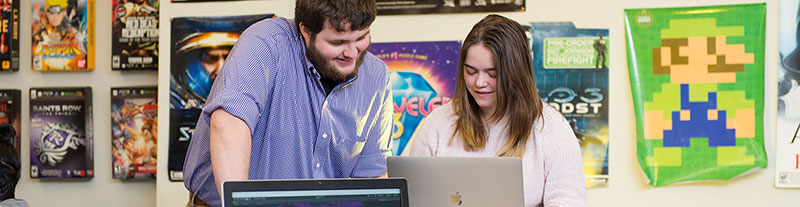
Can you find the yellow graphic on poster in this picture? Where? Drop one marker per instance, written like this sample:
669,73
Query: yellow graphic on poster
63,35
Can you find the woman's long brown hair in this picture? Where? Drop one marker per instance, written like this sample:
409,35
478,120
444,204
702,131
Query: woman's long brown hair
517,98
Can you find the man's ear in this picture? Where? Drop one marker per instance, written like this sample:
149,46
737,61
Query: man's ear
304,31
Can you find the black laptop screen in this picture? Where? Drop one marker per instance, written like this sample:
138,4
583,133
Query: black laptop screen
312,193
307,198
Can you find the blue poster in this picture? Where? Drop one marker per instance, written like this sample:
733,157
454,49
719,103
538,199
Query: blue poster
571,73
199,48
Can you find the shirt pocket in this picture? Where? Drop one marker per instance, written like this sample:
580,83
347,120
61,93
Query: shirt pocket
350,147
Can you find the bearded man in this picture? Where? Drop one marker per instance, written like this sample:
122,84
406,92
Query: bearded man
295,99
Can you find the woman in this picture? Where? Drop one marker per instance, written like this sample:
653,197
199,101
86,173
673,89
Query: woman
496,111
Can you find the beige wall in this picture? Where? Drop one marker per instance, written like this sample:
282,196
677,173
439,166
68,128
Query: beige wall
101,190
627,185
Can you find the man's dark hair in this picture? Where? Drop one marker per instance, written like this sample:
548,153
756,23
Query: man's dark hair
314,13
9,162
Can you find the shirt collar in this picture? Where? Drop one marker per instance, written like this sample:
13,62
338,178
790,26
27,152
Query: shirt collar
308,67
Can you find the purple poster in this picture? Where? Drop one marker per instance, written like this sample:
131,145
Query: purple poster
61,133
423,76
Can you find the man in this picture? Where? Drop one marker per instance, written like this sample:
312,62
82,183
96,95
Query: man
600,48
203,54
295,99
213,59
58,15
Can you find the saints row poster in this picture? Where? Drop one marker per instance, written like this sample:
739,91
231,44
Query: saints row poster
571,70
787,142
697,80
423,76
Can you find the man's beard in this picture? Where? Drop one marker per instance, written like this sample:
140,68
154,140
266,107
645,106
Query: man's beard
327,70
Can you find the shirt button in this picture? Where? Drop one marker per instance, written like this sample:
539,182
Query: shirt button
324,135
317,165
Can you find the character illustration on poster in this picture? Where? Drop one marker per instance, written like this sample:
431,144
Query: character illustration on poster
10,112
134,130
787,158
199,48
60,35
698,93
601,50
60,133
135,34
9,35
571,72
423,76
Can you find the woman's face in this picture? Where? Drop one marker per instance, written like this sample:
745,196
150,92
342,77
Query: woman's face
480,76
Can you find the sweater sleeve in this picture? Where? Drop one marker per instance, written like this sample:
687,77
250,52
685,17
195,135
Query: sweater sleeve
426,139
564,177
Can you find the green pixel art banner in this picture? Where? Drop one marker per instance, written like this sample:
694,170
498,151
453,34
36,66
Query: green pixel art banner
697,80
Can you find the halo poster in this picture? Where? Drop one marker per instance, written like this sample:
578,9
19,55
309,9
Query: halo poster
571,70
697,80
423,76
787,142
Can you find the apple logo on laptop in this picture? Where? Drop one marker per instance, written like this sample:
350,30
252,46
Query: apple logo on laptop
455,199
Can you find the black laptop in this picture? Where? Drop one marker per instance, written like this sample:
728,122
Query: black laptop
353,192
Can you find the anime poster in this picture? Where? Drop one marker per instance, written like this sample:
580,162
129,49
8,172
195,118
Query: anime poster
61,133
697,79
571,70
135,35
10,112
63,35
787,143
9,35
134,131
423,76
199,47
391,7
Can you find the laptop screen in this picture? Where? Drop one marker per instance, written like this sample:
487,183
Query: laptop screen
347,197
308,193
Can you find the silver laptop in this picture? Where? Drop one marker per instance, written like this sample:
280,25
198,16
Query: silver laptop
460,181
354,192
